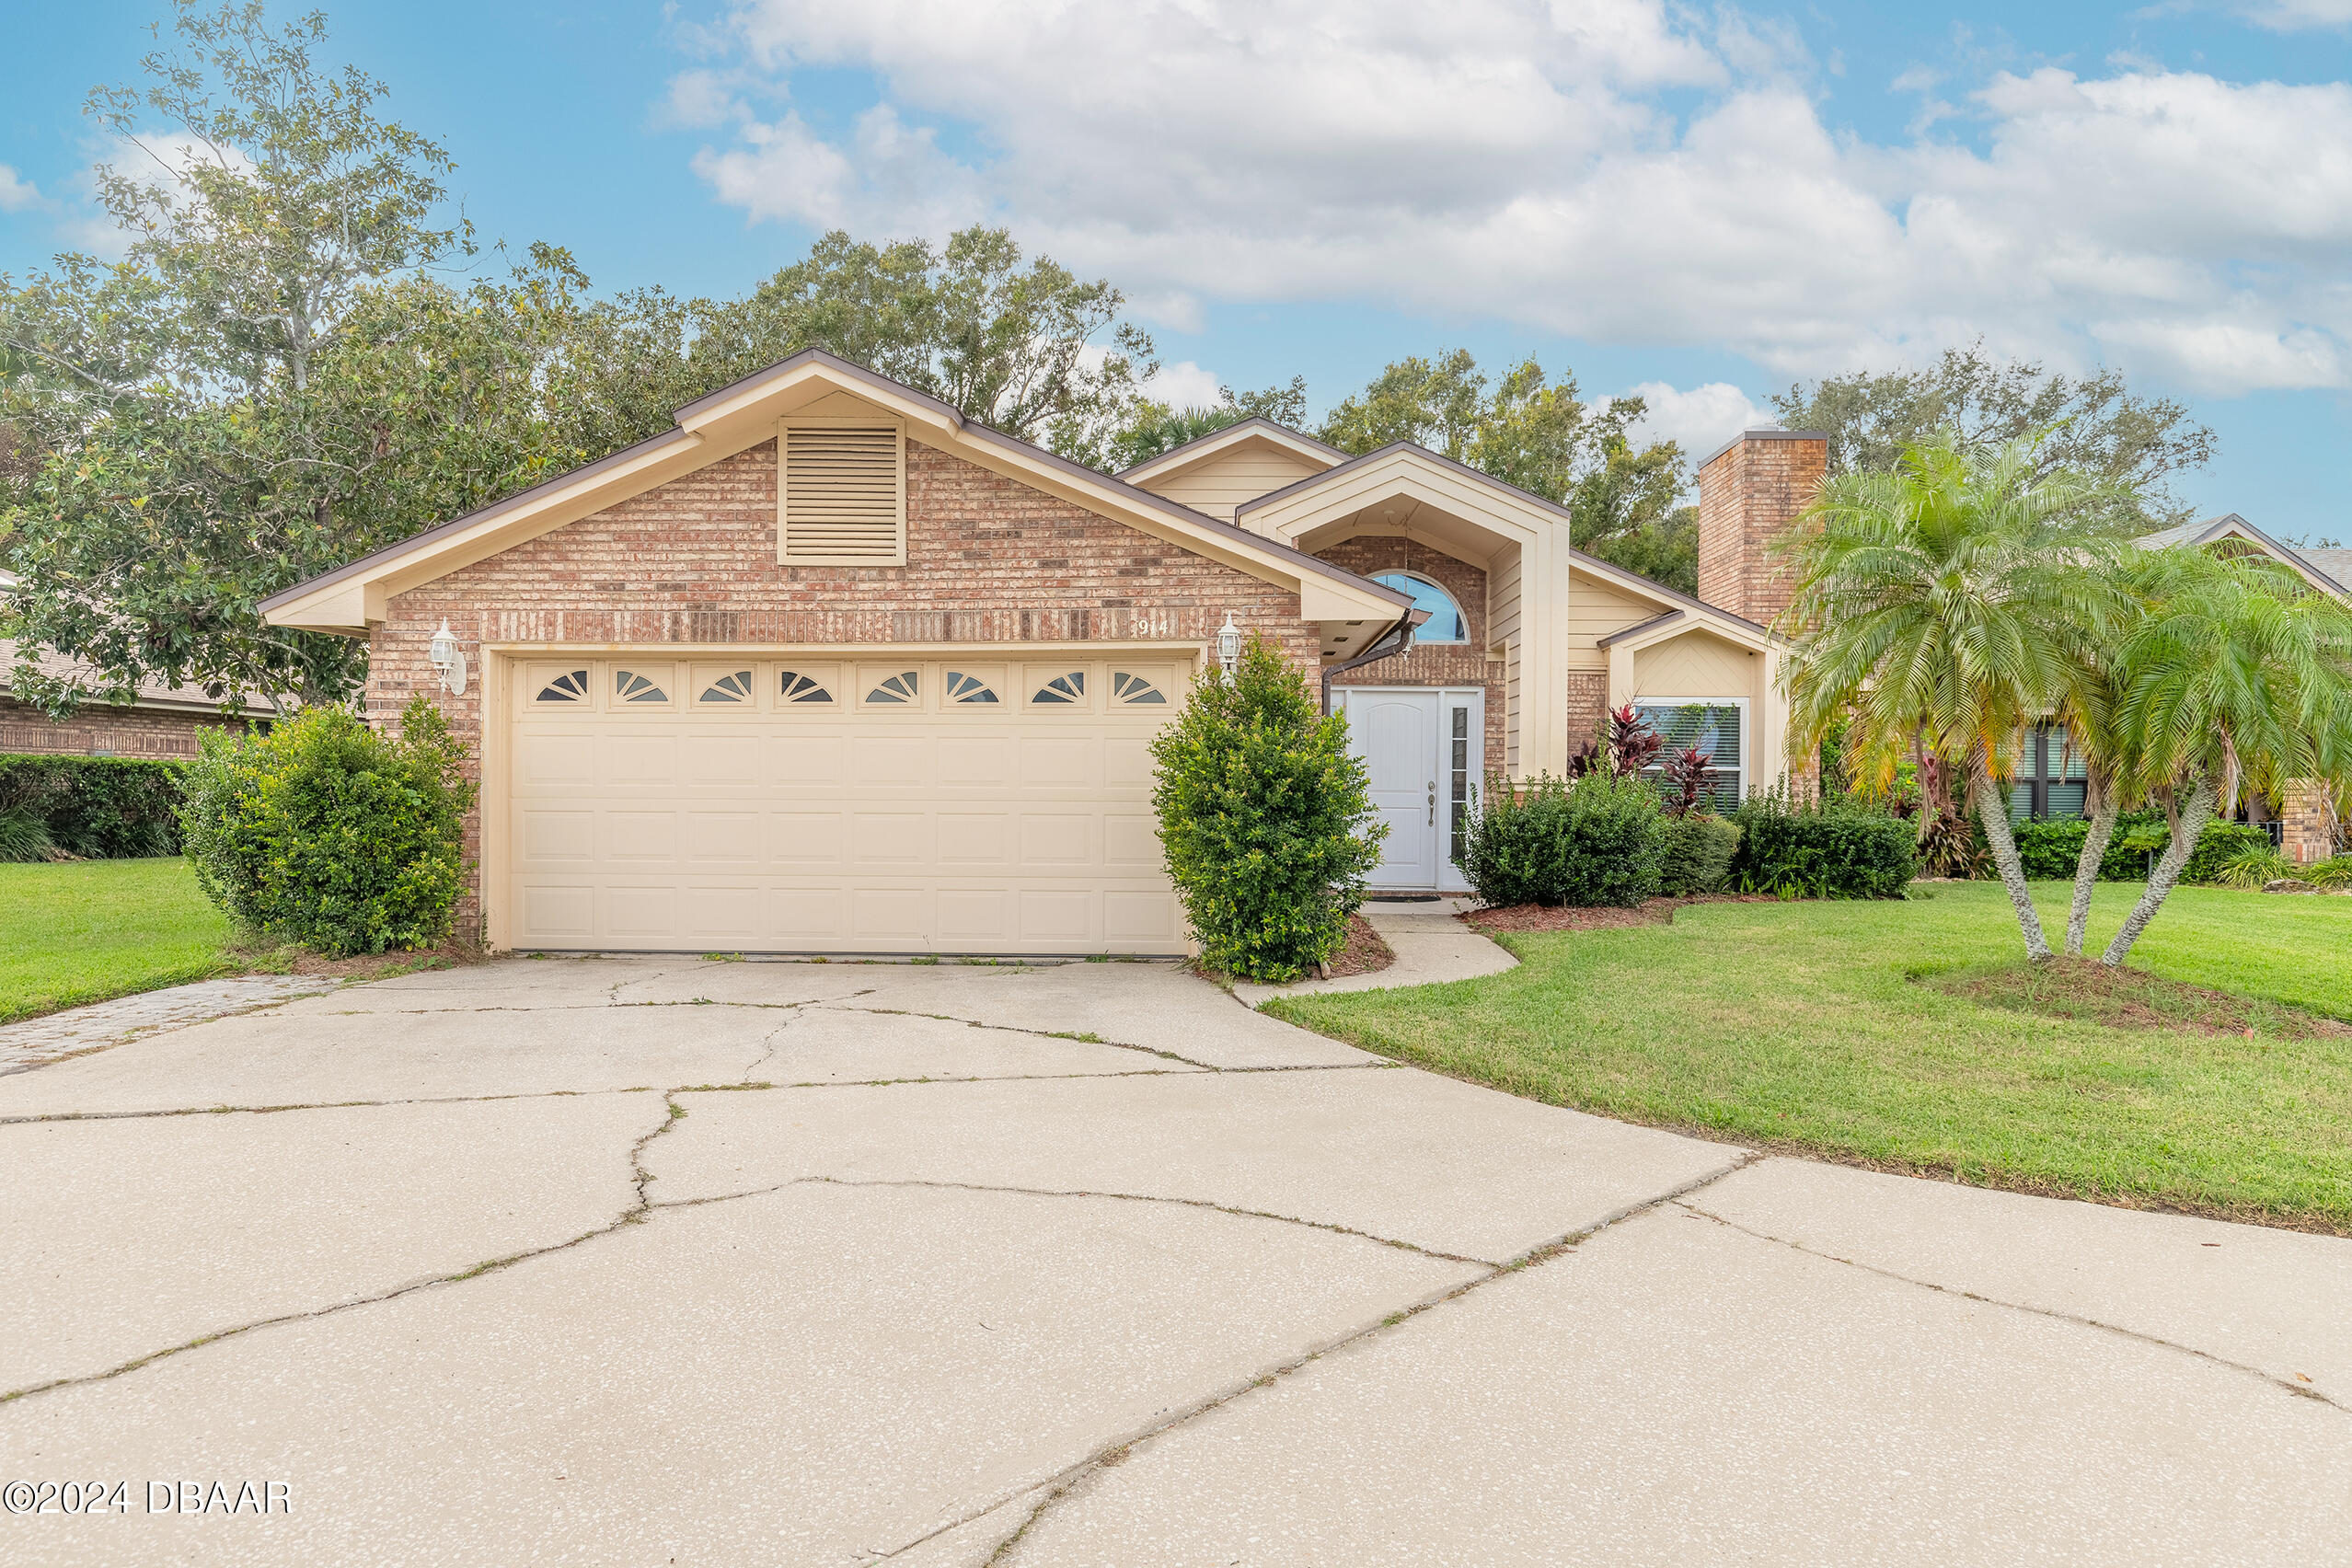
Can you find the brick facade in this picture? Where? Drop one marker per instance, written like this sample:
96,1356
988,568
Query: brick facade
989,560
98,731
1588,706
2307,824
1749,494
1442,664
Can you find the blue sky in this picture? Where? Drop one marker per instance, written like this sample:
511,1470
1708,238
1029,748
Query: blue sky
1709,202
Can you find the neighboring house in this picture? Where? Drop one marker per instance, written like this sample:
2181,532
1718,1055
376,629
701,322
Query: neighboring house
162,722
830,668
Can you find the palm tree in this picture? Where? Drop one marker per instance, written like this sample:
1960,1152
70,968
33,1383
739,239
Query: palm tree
2240,678
1944,604
2089,709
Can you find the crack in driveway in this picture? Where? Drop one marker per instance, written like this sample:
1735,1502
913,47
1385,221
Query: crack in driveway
646,1208
1064,1483
2298,1389
735,1088
634,1214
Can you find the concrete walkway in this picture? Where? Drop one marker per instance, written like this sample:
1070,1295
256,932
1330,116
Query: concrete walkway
1431,945
37,1041
641,1260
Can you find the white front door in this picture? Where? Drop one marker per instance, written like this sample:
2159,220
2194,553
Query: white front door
1421,748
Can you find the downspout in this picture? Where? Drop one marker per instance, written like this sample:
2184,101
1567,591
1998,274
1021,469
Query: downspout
1401,634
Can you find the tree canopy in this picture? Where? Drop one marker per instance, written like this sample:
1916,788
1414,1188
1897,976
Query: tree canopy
1536,433
285,371
2095,425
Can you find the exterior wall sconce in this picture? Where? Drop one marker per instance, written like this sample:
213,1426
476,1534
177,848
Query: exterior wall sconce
1229,645
448,660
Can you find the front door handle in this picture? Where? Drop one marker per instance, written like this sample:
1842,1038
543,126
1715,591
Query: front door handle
1433,802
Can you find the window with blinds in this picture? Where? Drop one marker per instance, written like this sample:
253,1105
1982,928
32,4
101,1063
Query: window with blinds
2052,778
842,496
1714,729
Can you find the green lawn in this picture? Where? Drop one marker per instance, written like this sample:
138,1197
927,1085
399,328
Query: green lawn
1804,1026
85,930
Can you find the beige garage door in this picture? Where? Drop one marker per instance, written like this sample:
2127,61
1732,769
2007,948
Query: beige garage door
851,806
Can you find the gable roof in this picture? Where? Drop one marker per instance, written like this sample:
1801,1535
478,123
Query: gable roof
150,693
738,417
1256,427
1406,448
2328,569
1738,626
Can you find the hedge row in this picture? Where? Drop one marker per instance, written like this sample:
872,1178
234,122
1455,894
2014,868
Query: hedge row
1833,847
2052,847
98,807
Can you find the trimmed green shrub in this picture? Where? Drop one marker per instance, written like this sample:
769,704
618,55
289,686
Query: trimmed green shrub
1696,855
1598,840
1514,842
1835,848
1265,818
102,808
2217,846
2051,847
326,833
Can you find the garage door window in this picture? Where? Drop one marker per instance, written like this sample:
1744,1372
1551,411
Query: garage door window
1133,688
963,687
799,687
1063,689
570,687
734,688
631,686
904,687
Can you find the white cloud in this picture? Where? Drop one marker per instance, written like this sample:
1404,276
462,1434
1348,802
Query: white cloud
1503,158
1699,420
2295,15
1185,386
698,100
17,193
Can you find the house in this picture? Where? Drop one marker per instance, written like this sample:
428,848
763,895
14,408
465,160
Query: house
161,721
827,667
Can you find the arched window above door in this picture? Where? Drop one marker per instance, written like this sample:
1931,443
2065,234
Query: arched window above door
1446,623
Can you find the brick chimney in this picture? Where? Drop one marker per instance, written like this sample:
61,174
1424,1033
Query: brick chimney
1750,491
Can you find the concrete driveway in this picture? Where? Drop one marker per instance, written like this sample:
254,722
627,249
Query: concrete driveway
638,1262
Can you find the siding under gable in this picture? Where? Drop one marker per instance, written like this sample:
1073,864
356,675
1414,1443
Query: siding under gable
1596,609
1221,484
1694,664
1502,630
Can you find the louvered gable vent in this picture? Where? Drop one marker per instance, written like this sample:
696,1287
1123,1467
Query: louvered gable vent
844,497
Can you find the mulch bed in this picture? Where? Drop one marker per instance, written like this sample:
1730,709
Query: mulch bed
2087,990
298,960
1365,953
1544,917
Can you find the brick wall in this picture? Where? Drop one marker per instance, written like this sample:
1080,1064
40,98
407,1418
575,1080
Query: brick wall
1588,706
1441,665
1749,494
103,732
2307,824
989,560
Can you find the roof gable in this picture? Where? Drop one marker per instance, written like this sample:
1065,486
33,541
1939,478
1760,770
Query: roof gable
2314,565
1256,430
737,418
